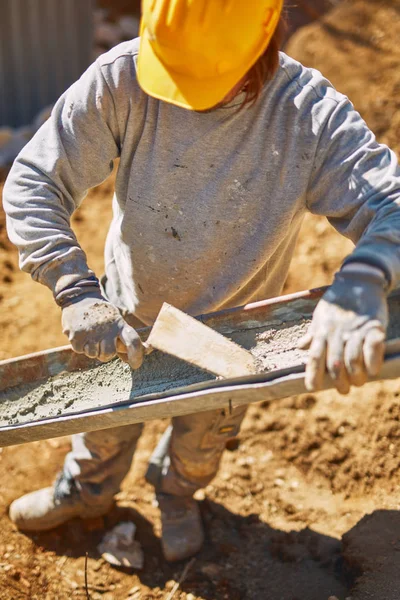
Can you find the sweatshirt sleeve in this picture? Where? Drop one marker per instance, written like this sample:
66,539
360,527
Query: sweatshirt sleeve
72,152
356,184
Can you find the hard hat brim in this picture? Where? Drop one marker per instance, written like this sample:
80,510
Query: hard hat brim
184,91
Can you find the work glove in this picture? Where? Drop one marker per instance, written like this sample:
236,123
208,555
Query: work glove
95,328
347,332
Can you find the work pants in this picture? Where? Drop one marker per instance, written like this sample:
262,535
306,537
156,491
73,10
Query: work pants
99,460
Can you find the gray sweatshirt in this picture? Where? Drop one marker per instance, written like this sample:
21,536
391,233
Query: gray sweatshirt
207,206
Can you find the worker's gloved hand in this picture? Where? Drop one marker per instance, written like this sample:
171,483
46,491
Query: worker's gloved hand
95,328
347,332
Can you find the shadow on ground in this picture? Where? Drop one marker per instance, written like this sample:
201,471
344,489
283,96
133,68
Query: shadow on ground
243,557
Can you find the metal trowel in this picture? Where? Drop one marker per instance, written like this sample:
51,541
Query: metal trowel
180,335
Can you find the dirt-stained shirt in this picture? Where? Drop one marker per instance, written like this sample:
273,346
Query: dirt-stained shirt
207,205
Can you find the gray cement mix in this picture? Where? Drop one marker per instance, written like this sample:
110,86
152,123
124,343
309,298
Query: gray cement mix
274,347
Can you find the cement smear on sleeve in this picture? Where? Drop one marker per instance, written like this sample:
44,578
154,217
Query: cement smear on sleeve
274,347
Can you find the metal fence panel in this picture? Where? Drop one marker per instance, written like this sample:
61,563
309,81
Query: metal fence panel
45,45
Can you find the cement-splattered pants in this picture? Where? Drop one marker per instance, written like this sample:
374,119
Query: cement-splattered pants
100,460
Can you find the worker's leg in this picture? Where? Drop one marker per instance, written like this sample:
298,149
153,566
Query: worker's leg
91,476
196,448
98,463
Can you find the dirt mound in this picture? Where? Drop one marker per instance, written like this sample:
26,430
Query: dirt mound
356,47
352,442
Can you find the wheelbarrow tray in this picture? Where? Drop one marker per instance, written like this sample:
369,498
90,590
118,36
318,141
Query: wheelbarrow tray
57,392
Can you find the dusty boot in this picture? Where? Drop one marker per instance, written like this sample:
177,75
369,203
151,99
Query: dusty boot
182,528
52,506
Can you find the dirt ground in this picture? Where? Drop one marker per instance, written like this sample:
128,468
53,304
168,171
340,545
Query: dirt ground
306,507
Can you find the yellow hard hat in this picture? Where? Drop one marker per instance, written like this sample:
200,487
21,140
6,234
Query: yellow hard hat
193,52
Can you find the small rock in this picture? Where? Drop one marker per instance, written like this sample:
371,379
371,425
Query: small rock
294,485
212,570
200,495
134,590
333,598
170,584
278,482
266,457
290,509
54,443
190,597
246,461
257,487
120,549
25,582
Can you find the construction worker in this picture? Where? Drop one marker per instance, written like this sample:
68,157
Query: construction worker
224,145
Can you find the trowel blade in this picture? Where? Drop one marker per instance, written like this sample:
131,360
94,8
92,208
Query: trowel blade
180,335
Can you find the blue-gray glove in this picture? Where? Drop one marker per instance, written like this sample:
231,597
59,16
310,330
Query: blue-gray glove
348,329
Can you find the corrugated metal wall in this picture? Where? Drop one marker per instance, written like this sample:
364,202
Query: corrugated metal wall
45,45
